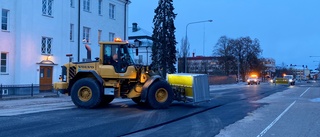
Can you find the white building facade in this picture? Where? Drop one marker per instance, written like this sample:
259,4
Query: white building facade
36,35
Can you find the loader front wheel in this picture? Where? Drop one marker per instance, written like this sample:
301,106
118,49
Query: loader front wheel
85,93
160,95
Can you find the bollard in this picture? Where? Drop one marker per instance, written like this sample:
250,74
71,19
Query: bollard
32,90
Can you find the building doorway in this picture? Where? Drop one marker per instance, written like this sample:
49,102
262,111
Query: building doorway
45,78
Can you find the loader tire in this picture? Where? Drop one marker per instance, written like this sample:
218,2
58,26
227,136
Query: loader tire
160,95
86,93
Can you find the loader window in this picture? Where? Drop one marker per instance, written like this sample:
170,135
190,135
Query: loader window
107,55
118,56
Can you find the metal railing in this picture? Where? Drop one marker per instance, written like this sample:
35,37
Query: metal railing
24,90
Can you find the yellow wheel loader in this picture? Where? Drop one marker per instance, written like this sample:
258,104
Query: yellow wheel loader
114,75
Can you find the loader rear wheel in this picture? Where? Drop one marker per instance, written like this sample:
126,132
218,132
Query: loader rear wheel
86,93
160,95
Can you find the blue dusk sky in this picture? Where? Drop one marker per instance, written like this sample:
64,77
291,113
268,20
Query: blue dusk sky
288,30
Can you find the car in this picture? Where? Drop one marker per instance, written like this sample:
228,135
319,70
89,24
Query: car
273,80
253,80
290,79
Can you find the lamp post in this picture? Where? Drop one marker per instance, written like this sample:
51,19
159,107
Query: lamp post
186,38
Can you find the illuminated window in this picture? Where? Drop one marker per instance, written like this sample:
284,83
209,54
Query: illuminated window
47,7
100,7
86,34
111,36
4,20
111,11
46,45
4,63
86,5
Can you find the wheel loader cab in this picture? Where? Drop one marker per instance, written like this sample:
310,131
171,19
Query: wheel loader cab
117,55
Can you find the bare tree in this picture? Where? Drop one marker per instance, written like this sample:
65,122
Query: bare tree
184,48
224,50
239,56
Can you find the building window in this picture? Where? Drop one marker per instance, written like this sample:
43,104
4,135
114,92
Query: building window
4,19
72,3
47,7
111,36
4,63
86,34
99,35
46,45
111,11
100,7
71,32
86,5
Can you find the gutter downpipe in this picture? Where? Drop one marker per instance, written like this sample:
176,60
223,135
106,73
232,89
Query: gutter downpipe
79,31
125,20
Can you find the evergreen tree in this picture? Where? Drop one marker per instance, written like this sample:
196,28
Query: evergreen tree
164,41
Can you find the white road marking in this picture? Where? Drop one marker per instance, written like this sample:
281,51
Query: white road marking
275,121
304,92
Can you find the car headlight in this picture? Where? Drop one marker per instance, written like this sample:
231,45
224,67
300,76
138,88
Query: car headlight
248,80
255,80
290,80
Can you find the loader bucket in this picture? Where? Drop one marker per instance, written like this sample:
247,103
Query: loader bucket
195,87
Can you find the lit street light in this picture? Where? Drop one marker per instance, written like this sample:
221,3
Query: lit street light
186,38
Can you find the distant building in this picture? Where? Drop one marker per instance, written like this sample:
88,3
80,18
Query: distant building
142,41
270,65
301,73
36,35
199,64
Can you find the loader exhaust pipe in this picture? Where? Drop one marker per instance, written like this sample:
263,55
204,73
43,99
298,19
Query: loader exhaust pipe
88,52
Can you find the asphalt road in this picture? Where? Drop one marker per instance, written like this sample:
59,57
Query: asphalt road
246,110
